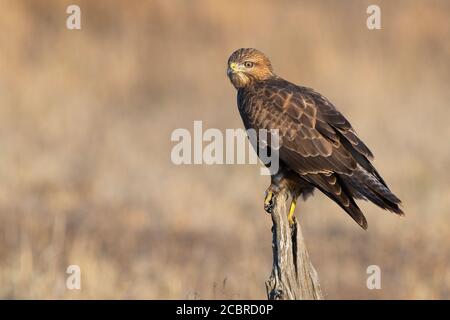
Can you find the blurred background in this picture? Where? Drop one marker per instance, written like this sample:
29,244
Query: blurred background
85,123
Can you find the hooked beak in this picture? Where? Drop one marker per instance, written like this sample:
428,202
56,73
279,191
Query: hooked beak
233,68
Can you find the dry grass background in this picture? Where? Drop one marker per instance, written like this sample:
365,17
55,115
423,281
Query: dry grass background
85,123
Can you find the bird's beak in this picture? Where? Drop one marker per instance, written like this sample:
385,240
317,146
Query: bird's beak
234,67
229,72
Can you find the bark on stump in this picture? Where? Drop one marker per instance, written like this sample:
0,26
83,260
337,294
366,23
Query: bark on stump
293,276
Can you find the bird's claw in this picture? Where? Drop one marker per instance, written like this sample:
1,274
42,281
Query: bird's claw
291,216
268,201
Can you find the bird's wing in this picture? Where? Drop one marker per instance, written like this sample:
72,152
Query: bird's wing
317,142
311,129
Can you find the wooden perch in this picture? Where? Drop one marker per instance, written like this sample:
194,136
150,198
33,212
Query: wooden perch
293,276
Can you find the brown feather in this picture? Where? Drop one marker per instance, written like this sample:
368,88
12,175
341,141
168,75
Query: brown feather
316,141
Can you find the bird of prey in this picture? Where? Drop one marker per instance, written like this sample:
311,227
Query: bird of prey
318,148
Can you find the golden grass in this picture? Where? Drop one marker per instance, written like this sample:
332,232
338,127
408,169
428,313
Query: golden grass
85,123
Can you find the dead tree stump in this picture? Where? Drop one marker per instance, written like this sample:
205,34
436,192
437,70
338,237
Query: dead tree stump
293,276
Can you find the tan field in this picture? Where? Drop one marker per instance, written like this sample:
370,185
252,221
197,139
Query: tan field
86,118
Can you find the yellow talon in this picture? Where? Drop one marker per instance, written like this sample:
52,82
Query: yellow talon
268,198
291,212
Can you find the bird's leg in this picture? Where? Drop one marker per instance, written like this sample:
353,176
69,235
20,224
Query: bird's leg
269,203
273,189
291,216
270,194
283,180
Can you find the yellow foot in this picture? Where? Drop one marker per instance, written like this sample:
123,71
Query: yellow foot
268,203
291,212
268,198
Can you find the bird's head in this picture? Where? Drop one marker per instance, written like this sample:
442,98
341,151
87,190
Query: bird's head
247,65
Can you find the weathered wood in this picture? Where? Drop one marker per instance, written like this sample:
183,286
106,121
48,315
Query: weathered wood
293,276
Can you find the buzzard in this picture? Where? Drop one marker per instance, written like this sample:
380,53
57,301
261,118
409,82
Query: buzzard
318,148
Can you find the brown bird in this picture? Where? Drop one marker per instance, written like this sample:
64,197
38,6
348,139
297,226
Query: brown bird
318,148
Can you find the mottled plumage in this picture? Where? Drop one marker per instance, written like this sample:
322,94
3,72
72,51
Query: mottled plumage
318,146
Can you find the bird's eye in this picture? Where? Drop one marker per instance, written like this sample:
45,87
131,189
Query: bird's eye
248,64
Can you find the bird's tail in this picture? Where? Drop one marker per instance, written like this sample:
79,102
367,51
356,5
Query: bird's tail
343,189
370,186
333,186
